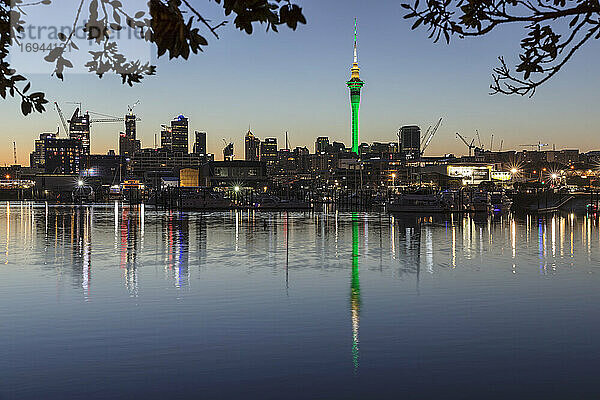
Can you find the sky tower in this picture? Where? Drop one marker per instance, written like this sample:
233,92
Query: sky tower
355,84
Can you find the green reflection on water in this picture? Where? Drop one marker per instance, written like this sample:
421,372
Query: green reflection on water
355,293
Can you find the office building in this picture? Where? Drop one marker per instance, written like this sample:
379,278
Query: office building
268,151
179,135
200,143
410,141
321,145
38,158
62,156
79,129
252,147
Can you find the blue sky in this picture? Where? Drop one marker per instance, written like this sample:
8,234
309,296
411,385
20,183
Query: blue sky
295,81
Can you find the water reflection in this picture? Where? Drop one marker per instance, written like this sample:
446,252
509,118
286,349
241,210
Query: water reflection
355,293
75,239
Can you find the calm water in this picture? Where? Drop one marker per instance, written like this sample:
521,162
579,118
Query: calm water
121,303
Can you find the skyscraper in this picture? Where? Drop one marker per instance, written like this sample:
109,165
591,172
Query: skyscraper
128,144
410,141
252,148
179,135
200,143
62,156
355,85
166,138
321,145
79,129
268,151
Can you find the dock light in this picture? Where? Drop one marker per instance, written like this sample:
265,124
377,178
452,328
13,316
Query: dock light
514,171
7,176
393,175
554,176
80,183
237,188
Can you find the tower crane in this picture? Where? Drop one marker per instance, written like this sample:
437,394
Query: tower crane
479,139
429,136
130,108
539,145
62,118
469,145
108,118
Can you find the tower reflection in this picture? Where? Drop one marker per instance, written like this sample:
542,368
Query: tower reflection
355,294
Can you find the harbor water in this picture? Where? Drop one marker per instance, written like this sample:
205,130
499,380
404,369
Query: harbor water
117,302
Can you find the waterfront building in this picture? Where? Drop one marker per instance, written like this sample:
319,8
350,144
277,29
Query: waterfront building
199,143
79,129
355,85
179,135
268,151
162,162
252,147
62,156
238,172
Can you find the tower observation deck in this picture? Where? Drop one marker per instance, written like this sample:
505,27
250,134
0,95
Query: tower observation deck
355,85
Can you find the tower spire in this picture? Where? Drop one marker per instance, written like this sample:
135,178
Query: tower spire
355,40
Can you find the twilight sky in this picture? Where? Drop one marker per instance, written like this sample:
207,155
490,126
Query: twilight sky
295,81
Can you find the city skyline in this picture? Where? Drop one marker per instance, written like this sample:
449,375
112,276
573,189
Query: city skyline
303,78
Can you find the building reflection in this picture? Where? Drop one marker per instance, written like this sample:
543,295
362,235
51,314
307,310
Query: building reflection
355,294
131,232
176,231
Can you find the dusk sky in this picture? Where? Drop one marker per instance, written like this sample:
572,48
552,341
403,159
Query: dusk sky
295,81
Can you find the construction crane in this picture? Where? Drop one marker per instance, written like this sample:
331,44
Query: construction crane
471,146
479,139
130,108
539,145
107,118
429,137
62,118
15,152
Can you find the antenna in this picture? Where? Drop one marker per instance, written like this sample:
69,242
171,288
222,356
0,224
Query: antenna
355,39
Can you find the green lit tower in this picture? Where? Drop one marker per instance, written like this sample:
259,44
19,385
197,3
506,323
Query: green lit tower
355,84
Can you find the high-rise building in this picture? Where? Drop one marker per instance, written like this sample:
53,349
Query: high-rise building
268,151
321,145
179,135
128,144
79,129
200,143
39,154
252,148
166,138
228,152
62,156
355,85
410,141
